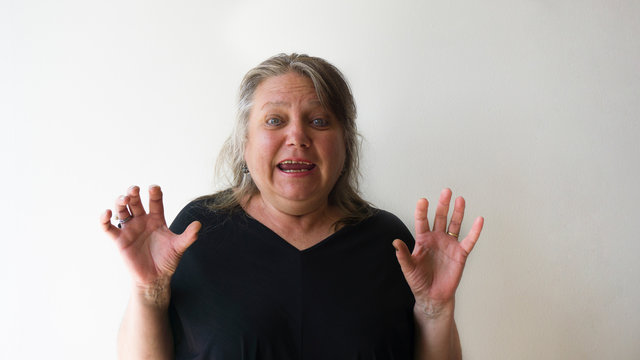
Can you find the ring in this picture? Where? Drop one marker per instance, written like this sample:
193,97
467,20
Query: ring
123,221
450,233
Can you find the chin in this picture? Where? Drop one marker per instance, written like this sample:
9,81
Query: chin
305,196
301,197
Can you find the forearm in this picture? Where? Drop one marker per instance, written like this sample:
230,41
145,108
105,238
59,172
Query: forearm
145,332
436,334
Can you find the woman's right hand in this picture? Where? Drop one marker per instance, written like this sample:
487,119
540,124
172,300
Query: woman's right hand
149,249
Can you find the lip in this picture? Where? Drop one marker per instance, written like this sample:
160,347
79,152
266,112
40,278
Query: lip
301,160
298,161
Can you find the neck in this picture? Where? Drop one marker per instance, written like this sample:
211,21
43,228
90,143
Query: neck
302,229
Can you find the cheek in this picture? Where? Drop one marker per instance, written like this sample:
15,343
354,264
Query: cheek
260,150
338,153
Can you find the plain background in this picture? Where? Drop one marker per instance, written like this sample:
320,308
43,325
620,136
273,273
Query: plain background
527,108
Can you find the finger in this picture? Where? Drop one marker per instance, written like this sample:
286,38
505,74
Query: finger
457,216
135,203
440,222
107,226
472,237
187,238
155,200
421,220
404,256
121,207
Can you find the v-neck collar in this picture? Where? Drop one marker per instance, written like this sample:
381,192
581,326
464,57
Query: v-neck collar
285,243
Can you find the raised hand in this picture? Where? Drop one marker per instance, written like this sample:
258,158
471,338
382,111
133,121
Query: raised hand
149,249
434,269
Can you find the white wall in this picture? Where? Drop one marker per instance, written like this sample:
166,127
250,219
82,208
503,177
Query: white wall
528,108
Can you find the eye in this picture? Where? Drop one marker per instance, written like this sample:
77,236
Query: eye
274,121
320,123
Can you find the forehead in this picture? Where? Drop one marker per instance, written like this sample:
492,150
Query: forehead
285,90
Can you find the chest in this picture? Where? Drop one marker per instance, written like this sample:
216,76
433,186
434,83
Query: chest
250,287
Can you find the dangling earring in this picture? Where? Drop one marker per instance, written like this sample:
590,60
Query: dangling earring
244,169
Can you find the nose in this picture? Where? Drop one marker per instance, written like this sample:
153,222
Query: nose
297,135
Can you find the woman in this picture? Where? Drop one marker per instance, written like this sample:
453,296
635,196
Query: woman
290,262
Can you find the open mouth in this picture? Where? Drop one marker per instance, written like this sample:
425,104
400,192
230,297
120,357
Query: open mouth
291,166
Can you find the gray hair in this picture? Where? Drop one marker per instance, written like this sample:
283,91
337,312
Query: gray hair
335,95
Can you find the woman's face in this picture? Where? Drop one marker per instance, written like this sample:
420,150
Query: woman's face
295,148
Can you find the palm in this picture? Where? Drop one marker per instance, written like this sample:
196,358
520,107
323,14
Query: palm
434,268
149,249
146,245
439,261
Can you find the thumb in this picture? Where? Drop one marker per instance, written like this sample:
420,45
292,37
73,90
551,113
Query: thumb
188,237
403,255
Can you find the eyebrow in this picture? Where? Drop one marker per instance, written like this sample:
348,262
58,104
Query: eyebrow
286,103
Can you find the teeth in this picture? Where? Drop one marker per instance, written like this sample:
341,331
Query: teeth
295,162
295,171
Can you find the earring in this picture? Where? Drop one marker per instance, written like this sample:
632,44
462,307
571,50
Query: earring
244,169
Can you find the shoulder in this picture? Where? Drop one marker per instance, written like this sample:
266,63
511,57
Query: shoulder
203,209
384,218
385,224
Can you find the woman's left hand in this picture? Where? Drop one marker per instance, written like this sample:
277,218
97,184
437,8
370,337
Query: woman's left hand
434,269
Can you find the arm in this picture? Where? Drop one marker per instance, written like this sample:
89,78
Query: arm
433,272
436,335
151,252
145,332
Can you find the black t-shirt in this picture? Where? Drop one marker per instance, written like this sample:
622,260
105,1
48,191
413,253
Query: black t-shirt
242,292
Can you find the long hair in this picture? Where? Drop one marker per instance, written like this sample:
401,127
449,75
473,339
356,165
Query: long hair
335,95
